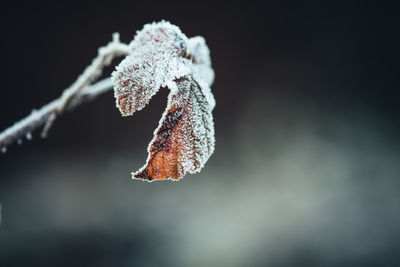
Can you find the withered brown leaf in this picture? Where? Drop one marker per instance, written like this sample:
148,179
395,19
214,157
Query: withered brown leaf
162,56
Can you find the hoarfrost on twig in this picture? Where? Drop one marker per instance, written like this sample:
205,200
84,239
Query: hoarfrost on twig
36,119
70,97
160,55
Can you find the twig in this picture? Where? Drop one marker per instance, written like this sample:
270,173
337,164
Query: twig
39,117
105,55
77,93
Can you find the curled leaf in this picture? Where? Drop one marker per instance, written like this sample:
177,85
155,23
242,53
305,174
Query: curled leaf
184,139
162,56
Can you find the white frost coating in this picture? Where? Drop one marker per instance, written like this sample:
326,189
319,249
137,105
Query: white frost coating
198,138
105,55
38,117
28,136
71,96
162,56
155,60
198,48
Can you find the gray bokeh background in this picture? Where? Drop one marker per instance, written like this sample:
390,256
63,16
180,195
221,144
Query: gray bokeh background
306,168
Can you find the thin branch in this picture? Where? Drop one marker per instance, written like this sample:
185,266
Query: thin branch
77,93
105,55
37,118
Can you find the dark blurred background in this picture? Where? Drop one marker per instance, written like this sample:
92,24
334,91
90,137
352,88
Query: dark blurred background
306,168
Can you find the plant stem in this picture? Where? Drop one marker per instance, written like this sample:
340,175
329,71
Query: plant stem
37,118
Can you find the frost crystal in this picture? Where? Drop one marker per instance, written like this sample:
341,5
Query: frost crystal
162,56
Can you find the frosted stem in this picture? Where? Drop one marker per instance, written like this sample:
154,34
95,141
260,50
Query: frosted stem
39,117
79,92
105,55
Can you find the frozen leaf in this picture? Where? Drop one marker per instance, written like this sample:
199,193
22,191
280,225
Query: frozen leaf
184,139
156,59
201,57
162,56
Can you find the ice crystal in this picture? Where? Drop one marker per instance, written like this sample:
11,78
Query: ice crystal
162,56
